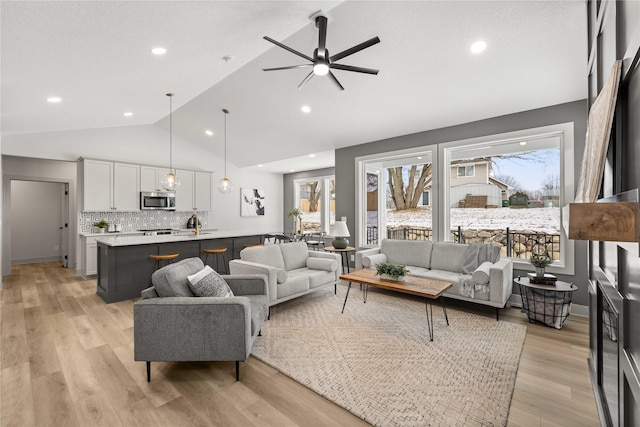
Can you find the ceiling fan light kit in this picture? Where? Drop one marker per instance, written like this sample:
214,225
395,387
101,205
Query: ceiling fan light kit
322,63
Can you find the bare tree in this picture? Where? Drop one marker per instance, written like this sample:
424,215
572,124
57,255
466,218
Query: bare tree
510,181
314,195
551,182
407,196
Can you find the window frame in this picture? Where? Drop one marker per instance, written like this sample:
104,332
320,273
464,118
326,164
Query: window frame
565,131
325,197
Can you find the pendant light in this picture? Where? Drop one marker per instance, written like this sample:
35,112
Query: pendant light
224,185
170,181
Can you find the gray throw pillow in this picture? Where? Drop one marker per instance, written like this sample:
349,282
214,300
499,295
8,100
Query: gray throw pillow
208,283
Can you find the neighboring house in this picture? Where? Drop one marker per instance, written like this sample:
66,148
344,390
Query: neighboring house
473,177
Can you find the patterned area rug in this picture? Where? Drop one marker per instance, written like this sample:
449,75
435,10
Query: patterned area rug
376,360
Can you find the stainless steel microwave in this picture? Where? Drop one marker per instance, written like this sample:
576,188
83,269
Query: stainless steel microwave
162,200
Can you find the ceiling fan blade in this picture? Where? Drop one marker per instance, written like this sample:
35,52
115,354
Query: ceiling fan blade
291,67
335,80
355,69
306,79
295,52
321,23
354,49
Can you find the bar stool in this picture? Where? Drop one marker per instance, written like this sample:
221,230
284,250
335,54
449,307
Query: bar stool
216,253
159,258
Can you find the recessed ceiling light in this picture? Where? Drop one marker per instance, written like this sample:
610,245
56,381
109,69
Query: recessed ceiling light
292,170
128,114
523,143
158,51
54,99
312,155
419,157
208,132
478,46
306,109
259,166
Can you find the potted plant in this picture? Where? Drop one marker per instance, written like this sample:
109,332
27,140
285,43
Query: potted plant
540,262
101,225
389,271
297,215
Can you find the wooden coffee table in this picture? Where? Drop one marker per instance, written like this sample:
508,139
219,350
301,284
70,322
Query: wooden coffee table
431,289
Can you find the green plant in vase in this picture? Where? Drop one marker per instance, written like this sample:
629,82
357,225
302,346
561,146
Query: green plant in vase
540,262
387,270
296,214
101,225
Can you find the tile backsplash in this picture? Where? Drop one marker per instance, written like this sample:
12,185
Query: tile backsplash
142,220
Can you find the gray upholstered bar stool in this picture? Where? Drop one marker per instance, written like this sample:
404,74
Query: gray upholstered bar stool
159,258
217,253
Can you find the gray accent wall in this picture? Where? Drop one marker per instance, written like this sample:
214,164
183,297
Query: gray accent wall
576,112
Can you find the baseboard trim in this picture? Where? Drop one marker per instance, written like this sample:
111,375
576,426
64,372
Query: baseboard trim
515,300
34,260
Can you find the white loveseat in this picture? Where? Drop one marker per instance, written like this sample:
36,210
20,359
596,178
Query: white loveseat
291,268
475,278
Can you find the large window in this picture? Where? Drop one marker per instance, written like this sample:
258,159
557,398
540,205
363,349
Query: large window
315,197
399,197
506,190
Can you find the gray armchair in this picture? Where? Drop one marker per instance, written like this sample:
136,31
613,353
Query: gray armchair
189,328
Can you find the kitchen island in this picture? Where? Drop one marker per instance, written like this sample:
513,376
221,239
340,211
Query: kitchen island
124,266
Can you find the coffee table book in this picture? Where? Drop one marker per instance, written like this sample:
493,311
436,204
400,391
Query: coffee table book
548,279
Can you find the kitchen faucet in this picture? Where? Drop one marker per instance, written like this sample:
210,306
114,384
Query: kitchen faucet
197,225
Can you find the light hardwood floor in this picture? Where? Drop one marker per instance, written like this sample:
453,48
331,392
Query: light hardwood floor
67,360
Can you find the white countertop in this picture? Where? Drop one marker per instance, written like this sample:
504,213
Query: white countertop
122,239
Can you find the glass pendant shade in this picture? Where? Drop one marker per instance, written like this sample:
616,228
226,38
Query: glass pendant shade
225,186
170,182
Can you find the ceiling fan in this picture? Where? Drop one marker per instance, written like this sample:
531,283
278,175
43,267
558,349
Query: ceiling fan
321,62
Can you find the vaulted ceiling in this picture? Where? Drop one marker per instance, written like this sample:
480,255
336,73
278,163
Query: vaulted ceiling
96,56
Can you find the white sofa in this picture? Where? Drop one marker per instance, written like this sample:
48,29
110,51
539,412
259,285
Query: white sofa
292,269
475,278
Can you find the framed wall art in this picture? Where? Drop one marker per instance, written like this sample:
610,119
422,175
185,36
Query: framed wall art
252,202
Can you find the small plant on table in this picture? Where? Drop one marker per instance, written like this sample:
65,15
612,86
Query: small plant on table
391,271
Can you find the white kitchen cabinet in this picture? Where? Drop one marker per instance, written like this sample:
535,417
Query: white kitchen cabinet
185,198
91,257
97,185
194,192
204,186
151,177
126,187
109,186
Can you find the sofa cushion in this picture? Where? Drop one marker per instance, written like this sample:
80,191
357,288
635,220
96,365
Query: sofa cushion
448,256
412,252
295,284
267,255
295,255
208,283
317,278
476,254
322,264
482,274
370,261
171,280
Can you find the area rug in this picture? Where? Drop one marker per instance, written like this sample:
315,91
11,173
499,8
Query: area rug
376,360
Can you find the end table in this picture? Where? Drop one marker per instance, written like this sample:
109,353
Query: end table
548,305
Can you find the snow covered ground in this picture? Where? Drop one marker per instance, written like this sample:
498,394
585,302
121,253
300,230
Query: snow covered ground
537,219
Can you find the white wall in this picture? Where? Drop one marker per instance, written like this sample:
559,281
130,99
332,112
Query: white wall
36,215
26,169
150,145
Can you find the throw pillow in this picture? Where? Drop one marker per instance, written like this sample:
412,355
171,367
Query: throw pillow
322,264
482,274
208,283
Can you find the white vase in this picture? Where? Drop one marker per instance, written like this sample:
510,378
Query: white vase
394,278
